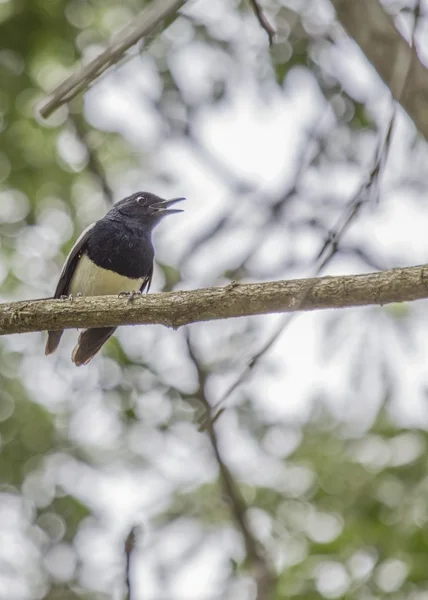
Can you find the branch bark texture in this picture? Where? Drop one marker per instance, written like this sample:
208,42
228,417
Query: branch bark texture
174,309
395,61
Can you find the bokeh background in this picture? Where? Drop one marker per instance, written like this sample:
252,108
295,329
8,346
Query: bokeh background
319,484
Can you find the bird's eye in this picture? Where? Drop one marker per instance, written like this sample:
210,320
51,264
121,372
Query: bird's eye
140,198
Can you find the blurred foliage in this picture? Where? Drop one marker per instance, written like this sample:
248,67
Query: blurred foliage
338,502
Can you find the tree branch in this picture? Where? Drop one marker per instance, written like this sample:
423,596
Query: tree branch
393,58
128,548
80,80
175,309
264,23
260,569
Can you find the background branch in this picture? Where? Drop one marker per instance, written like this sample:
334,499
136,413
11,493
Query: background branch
259,566
367,22
264,23
175,309
129,546
80,80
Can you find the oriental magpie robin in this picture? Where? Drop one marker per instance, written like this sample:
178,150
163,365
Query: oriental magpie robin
112,256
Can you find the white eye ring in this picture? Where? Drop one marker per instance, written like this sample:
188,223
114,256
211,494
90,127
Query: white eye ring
140,198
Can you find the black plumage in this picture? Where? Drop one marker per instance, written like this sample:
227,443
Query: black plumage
112,256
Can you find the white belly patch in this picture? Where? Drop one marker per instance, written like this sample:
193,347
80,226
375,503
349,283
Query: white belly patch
90,280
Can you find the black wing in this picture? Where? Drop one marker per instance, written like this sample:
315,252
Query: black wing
71,263
54,337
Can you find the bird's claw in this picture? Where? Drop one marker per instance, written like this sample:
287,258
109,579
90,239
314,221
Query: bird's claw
129,295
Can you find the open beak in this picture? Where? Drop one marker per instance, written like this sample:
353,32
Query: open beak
163,206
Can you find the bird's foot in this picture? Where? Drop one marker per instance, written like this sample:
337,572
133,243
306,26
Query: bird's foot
70,296
130,295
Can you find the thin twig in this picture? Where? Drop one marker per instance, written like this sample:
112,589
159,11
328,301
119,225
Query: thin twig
331,245
128,551
263,21
80,80
324,257
260,568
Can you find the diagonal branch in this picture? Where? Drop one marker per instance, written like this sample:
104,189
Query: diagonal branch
394,59
175,309
264,23
80,80
260,567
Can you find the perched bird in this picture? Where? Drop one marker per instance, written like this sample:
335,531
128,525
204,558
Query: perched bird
112,256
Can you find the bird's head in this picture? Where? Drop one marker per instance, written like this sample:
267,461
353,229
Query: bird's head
147,207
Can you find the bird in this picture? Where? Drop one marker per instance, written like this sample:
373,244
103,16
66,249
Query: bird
112,256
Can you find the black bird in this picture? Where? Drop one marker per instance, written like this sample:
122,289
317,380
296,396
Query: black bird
112,256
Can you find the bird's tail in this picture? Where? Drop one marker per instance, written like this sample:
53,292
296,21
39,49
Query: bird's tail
52,343
88,344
